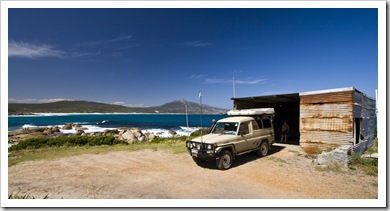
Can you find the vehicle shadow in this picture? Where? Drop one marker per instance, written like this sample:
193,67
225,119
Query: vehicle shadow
242,159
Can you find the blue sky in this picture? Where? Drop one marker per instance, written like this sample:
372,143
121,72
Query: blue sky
147,57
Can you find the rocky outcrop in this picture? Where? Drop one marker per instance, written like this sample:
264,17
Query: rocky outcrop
134,135
130,135
339,156
67,127
173,133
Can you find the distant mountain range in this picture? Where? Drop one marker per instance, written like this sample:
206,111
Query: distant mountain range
177,106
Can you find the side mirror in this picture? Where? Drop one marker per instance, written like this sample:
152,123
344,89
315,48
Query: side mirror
241,133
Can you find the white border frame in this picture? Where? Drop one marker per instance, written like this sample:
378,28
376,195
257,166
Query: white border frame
380,202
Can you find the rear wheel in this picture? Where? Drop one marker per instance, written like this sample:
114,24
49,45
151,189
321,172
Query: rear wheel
225,160
263,150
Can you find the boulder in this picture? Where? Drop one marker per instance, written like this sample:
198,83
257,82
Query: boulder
76,125
56,129
151,136
141,139
129,137
67,127
339,156
137,132
36,130
111,132
47,131
80,132
173,133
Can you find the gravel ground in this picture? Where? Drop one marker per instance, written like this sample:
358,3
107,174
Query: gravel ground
147,174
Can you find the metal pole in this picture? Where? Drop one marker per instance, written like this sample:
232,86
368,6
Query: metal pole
201,129
234,89
187,123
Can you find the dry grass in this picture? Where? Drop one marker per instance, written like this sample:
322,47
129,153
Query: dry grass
51,153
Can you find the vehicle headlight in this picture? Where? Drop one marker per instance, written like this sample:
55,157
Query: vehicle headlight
209,146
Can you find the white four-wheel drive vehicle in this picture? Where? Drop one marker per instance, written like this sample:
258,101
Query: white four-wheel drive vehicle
245,131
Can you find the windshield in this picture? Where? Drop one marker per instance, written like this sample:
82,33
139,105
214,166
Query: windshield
226,128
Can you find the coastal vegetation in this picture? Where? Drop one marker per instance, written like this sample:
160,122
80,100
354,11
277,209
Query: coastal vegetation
366,164
43,148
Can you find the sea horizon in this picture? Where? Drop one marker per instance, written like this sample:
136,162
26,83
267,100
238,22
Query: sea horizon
157,123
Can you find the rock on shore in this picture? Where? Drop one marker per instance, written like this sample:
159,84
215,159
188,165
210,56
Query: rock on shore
129,135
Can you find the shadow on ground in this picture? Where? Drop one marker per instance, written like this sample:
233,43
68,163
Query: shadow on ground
241,159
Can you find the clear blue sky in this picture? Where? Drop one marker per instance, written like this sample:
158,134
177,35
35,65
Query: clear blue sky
147,57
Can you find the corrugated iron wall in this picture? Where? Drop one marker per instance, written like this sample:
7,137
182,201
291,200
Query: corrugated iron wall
326,120
364,109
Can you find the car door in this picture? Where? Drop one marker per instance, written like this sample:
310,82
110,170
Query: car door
242,137
254,137
267,132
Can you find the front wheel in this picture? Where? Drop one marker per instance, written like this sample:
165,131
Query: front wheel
263,150
225,160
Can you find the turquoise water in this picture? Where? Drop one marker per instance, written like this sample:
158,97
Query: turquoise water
142,121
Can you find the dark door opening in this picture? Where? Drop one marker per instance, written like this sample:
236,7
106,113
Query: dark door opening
286,109
358,122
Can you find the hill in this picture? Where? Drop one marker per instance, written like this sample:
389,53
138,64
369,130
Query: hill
177,106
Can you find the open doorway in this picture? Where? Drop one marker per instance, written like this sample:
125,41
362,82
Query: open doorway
358,123
286,109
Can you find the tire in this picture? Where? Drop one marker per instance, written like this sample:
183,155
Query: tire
225,160
263,150
198,160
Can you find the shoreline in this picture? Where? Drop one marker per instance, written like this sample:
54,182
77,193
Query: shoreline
134,113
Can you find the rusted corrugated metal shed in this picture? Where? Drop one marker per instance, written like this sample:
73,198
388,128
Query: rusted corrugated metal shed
337,117
323,119
326,118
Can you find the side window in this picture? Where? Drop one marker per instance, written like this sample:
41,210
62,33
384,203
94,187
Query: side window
255,125
258,120
267,123
244,128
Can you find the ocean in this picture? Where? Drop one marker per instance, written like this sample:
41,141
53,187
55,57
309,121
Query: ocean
152,123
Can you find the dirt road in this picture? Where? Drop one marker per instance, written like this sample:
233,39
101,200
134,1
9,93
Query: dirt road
146,174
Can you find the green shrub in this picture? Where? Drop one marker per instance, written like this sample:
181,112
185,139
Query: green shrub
68,141
368,165
200,132
17,196
72,141
374,147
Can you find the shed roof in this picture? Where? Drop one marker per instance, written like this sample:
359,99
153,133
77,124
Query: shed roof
327,91
293,97
277,98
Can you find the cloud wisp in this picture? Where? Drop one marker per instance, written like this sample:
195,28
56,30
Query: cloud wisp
196,44
224,81
13,100
129,105
77,54
196,77
35,51
121,38
28,50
